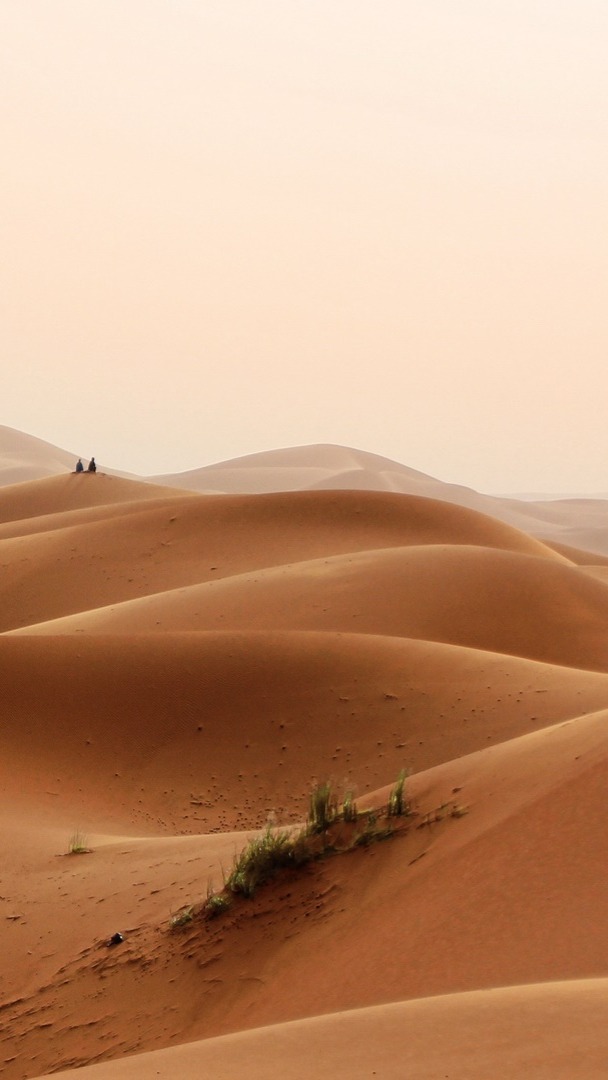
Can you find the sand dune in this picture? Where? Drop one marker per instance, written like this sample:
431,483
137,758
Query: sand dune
178,669
161,735
24,457
294,468
442,909
462,1036
437,593
580,522
58,494
190,539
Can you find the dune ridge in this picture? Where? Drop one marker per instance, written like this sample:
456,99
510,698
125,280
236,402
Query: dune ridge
179,669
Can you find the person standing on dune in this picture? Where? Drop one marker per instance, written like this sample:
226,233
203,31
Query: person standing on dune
92,466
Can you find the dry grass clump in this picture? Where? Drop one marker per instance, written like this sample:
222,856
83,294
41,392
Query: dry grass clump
216,904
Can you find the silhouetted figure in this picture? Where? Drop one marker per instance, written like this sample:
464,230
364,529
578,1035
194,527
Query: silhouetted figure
92,466
79,465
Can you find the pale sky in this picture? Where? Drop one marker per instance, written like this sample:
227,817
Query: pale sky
230,226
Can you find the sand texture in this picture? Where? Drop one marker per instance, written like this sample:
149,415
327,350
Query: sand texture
181,663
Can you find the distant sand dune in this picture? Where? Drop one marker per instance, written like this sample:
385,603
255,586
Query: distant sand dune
580,522
71,491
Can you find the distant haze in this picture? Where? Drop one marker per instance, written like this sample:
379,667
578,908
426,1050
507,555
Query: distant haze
236,225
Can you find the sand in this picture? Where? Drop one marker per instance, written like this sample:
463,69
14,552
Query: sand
180,668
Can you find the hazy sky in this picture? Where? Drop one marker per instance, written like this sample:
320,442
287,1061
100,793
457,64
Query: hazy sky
235,225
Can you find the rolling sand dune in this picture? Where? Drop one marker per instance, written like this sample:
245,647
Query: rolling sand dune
298,468
58,494
438,593
293,706
179,669
189,539
579,522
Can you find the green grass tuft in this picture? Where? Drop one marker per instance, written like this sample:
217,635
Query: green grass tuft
349,807
263,856
398,805
77,844
276,849
323,809
182,918
216,904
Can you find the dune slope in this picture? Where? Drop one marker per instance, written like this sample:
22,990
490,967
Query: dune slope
179,670
451,594
559,1037
191,539
458,894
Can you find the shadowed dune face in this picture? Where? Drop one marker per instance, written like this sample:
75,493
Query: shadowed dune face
460,896
178,670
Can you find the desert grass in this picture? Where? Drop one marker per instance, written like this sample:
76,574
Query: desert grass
275,849
398,805
349,807
332,828
323,808
372,831
78,844
182,917
216,904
